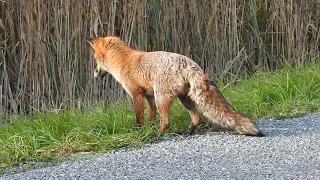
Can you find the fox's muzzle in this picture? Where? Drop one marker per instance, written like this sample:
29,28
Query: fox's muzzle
96,74
99,73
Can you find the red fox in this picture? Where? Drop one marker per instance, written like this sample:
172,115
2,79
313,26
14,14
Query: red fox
160,77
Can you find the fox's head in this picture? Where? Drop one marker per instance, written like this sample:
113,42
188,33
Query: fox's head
108,51
99,47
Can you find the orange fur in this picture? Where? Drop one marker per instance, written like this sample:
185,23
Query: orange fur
161,77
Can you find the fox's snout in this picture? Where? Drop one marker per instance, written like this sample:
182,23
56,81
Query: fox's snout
98,73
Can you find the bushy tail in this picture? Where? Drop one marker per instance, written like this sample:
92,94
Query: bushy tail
216,109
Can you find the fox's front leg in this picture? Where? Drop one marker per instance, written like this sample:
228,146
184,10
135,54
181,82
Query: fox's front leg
137,100
151,109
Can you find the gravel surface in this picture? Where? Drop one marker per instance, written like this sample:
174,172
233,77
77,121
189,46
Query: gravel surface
291,150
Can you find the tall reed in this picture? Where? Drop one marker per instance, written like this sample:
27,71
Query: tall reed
45,64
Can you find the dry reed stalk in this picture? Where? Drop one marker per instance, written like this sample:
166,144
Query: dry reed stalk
44,62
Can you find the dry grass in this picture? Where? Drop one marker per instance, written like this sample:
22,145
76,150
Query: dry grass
44,63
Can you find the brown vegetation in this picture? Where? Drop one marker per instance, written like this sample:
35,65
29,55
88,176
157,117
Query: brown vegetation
44,62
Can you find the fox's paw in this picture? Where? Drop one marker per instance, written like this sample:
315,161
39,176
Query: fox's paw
163,128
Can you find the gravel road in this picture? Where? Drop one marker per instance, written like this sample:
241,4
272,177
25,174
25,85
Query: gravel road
291,150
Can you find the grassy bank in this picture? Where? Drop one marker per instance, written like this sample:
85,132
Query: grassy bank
51,135
287,93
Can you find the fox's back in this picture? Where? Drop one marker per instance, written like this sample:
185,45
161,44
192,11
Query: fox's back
166,64
163,69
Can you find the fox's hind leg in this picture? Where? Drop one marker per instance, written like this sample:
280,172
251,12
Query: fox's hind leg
191,107
163,107
164,100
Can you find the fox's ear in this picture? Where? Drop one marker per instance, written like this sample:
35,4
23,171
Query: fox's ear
90,40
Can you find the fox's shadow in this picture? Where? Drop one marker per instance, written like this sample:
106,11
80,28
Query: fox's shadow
305,125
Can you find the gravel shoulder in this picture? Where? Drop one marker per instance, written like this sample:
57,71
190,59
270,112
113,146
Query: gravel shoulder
290,150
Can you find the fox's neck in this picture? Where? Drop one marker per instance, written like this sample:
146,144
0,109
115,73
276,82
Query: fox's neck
117,56
120,51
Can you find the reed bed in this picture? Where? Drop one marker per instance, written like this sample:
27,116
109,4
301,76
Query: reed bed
45,64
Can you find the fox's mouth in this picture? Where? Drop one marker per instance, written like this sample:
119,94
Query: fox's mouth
100,74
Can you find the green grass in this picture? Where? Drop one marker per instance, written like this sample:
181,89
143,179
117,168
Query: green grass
56,134
289,93
52,135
